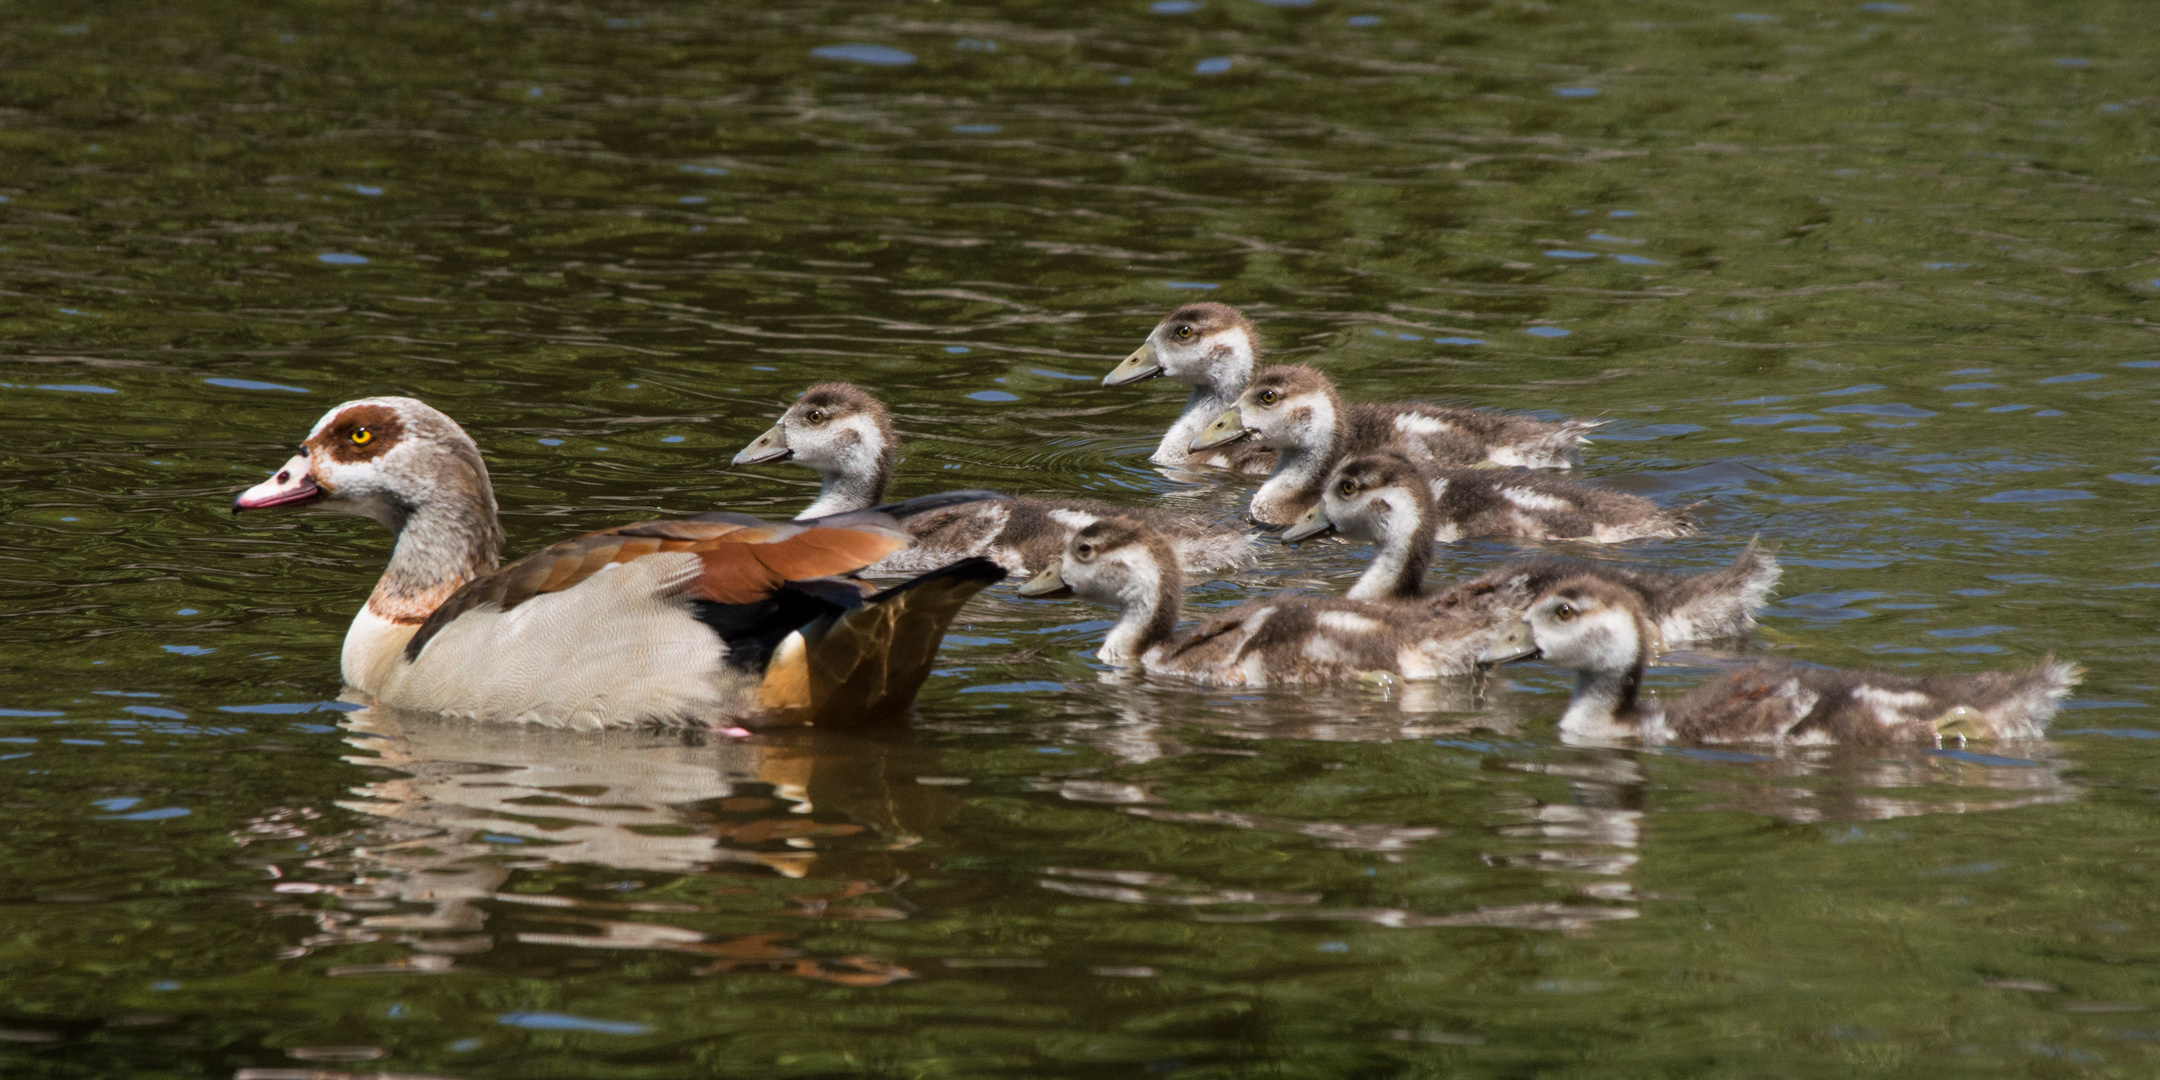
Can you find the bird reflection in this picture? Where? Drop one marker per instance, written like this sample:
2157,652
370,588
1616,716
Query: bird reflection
463,809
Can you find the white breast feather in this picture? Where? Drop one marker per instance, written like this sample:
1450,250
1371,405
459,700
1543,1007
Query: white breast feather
1416,425
1322,649
1889,707
1348,622
1800,701
1535,500
615,649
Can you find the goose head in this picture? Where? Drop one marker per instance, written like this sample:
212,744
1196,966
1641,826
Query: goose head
1201,345
840,431
1121,563
1116,561
1287,407
388,458
1583,623
1383,500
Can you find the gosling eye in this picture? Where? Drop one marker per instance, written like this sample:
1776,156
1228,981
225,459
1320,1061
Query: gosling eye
1183,333
361,436
1563,613
1269,397
817,416
1084,552
1347,487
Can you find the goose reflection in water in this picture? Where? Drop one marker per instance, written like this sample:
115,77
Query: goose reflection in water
468,807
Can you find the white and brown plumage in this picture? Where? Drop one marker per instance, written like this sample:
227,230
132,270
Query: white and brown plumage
1601,630
846,434
1212,348
716,616
1278,640
1509,503
1377,499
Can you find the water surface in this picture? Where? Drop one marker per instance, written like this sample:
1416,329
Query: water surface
1875,282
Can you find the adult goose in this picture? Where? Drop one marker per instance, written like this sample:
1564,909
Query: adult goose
1212,348
693,620
846,435
1381,500
1602,631
1278,640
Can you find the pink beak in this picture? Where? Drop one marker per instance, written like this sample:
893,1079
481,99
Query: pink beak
294,485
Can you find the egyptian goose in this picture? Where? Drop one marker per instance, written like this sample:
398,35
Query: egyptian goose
1212,348
846,435
1375,500
663,622
1602,630
1278,640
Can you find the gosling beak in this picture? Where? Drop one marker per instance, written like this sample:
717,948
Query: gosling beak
1514,643
1048,585
1227,428
1310,525
294,485
765,449
1140,365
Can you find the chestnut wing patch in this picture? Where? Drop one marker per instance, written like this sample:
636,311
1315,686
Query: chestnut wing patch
744,560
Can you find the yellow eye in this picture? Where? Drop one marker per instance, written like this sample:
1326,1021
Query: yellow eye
1563,613
1347,487
1269,397
1184,333
817,416
361,437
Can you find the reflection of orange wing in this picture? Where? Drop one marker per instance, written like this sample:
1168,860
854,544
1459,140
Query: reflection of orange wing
744,560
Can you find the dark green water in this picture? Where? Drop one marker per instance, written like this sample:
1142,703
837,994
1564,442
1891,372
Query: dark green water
1878,282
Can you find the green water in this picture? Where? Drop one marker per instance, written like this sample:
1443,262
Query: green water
1877,282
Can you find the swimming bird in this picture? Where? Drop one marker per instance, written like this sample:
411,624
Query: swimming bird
1277,640
1213,348
1377,499
1602,630
685,621
1470,503
846,435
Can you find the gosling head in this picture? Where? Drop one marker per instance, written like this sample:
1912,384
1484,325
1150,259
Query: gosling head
1378,498
1199,345
833,427
1286,407
1588,624
1115,561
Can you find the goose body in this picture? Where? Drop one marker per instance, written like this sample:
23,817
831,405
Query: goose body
1279,640
1602,630
846,434
1382,500
1212,348
715,616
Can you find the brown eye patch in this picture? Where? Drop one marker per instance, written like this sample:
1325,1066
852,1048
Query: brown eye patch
361,433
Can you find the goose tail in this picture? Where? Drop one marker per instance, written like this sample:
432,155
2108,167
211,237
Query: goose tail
864,665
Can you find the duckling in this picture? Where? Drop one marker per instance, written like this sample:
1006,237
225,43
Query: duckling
1297,413
1370,499
663,622
1514,503
1279,640
846,434
1211,348
1602,630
